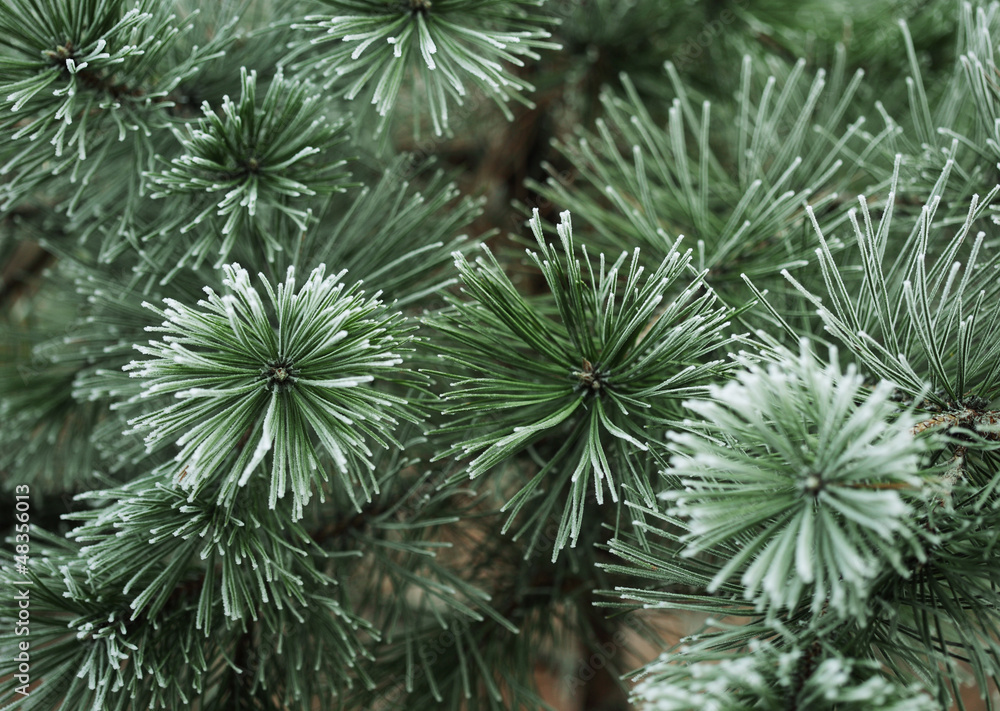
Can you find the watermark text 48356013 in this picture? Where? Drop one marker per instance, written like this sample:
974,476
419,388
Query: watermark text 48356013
22,587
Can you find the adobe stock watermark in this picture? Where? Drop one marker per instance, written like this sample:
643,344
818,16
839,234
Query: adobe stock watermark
39,356
518,220
602,656
22,556
694,47
465,106
584,671
428,652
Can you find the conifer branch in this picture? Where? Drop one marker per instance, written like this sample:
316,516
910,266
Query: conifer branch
247,515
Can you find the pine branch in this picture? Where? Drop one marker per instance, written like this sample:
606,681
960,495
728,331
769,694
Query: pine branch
299,379
253,161
609,365
441,45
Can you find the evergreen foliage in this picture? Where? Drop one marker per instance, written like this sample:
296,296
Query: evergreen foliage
253,156
289,423
813,506
445,41
608,366
237,375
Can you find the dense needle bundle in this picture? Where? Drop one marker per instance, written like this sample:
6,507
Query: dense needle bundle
500,354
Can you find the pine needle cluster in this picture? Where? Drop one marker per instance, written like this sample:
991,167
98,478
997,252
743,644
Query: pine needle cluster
404,354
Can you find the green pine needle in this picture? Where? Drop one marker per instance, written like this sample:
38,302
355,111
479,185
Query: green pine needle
293,384
249,162
443,46
800,478
600,376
